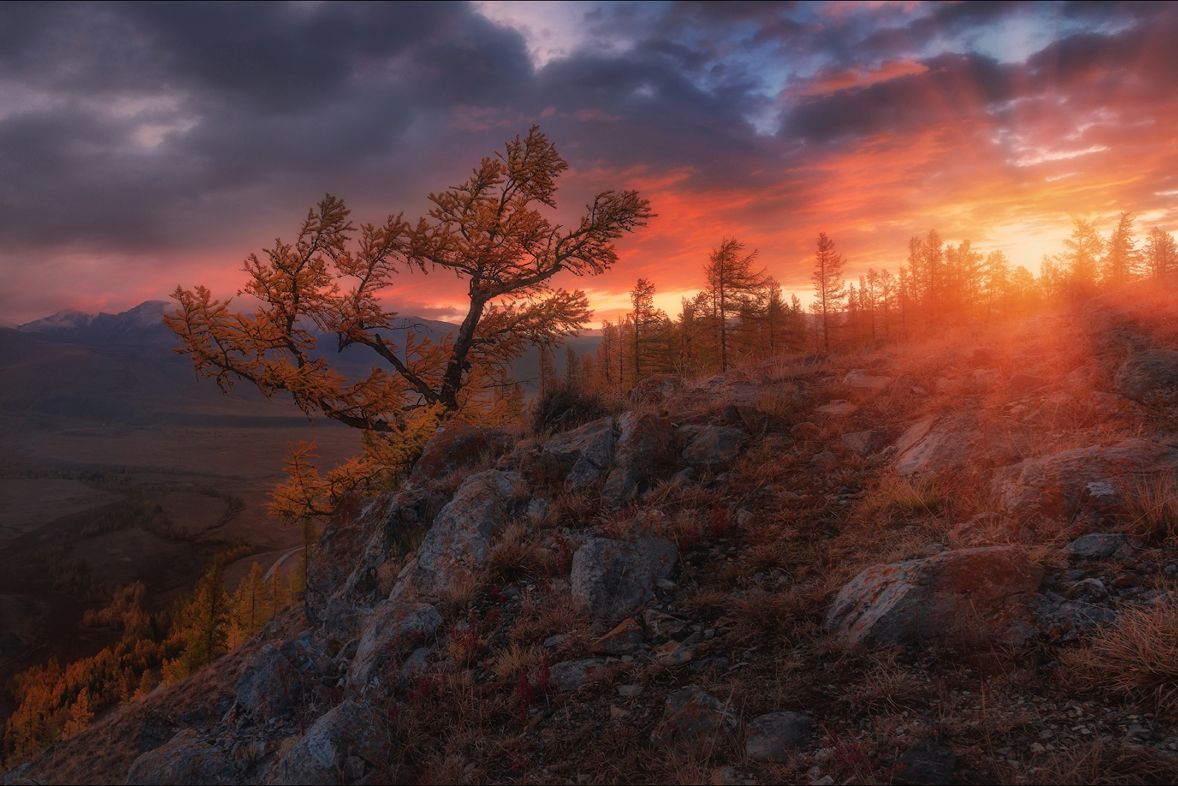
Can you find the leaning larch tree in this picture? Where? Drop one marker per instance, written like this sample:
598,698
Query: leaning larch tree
489,231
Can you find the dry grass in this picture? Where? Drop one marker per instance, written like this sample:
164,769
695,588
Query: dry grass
1152,504
517,555
544,613
1103,762
886,685
516,659
1137,658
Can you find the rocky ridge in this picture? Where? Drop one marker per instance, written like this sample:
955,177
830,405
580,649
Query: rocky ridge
752,578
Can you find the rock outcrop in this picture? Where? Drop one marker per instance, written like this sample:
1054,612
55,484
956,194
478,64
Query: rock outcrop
982,591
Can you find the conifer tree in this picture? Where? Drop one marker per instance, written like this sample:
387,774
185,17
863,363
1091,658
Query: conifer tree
732,284
1121,257
829,292
1161,253
489,231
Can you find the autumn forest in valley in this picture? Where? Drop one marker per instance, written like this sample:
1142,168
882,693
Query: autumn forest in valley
589,392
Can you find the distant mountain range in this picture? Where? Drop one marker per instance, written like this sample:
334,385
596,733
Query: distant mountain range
122,365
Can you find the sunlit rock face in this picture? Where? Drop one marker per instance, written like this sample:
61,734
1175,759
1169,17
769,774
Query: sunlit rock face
936,599
1092,483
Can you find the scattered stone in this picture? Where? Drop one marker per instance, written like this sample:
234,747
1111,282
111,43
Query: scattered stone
1097,545
805,432
571,675
613,578
691,716
935,445
673,654
980,592
771,737
926,763
630,691
625,637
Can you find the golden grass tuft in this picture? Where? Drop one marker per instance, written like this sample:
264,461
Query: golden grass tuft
1137,658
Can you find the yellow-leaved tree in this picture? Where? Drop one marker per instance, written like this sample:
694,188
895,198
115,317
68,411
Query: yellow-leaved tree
333,278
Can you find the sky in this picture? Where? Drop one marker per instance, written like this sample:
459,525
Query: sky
148,145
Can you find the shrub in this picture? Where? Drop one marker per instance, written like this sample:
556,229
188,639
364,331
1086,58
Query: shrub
565,407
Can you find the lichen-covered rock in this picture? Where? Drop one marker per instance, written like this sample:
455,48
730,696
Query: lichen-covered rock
772,737
1094,480
571,675
645,451
1097,545
711,447
691,716
186,758
933,445
1148,375
393,631
463,533
982,590
613,578
345,744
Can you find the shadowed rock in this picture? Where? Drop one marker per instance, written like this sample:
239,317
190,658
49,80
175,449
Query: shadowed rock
393,631
346,743
1147,375
612,578
186,758
772,737
711,447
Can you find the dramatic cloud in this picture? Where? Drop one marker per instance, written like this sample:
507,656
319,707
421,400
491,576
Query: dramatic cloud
145,145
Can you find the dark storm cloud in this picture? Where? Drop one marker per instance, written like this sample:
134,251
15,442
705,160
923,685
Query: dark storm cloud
149,120
156,122
905,103
169,129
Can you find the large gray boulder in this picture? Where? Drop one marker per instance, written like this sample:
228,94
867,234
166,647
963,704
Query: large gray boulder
344,745
186,758
645,452
979,591
1147,375
463,533
278,680
613,578
1095,479
394,630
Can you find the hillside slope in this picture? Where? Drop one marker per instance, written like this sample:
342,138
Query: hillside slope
952,561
